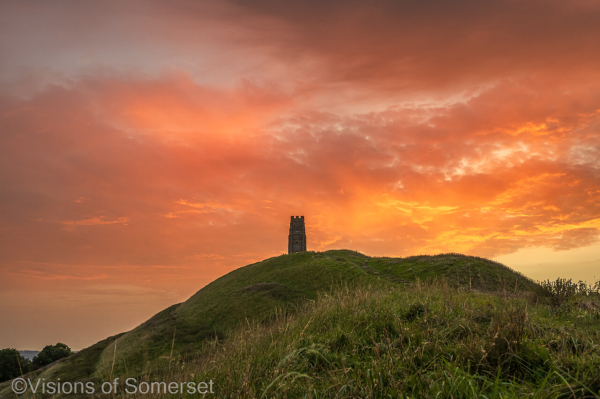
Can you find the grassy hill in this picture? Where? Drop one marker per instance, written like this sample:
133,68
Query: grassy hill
258,293
427,340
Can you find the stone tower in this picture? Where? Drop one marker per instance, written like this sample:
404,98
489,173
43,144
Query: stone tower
297,237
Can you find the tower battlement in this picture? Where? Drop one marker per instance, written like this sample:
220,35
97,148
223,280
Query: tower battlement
297,236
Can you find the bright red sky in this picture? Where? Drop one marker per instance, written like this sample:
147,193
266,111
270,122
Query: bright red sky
149,147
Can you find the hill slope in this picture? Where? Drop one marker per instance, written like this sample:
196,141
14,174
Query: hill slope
254,292
428,340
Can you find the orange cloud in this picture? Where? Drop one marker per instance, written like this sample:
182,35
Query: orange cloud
176,105
457,172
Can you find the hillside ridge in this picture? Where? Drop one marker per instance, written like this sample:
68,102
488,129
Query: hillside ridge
253,293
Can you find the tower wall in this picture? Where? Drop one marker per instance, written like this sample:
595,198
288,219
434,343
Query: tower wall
297,236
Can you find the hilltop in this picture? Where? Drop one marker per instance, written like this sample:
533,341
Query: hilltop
257,293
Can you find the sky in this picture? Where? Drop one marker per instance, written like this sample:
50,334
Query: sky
149,147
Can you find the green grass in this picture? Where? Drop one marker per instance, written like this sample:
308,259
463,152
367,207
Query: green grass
258,293
428,340
467,271
293,279
227,301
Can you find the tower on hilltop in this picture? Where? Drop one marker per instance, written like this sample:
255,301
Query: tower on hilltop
297,237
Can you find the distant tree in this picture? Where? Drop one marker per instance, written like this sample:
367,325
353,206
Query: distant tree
50,354
11,364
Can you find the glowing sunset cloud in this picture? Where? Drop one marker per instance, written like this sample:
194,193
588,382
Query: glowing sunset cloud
148,148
